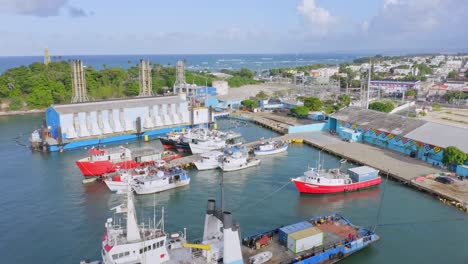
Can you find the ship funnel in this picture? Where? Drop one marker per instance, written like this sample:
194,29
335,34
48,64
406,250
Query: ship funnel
211,206
227,220
231,243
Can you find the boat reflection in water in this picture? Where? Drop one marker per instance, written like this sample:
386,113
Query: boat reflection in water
335,202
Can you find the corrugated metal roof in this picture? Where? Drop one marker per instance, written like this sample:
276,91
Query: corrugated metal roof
116,104
395,124
296,227
441,135
311,231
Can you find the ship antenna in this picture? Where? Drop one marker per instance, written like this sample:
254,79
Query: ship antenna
162,220
222,191
154,211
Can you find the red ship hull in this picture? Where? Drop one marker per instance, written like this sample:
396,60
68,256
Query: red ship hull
304,187
98,168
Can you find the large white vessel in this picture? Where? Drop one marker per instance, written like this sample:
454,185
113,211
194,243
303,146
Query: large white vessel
120,180
270,147
214,140
209,160
151,244
238,160
159,182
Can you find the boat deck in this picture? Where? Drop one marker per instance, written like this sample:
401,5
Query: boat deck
336,235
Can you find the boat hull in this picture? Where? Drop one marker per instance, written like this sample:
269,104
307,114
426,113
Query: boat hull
98,168
241,166
197,149
271,152
304,187
115,186
161,188
206,166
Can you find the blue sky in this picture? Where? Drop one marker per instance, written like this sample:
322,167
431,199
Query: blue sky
236,26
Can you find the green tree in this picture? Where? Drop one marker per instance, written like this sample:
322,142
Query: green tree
410,93
345,99
453,155
452,74
385,106
300,111
247,73
436,106
313,103
132,88
261,95
250,103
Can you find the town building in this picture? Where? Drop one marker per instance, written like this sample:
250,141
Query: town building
392,86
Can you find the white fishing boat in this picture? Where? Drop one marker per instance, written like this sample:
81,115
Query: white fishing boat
159,182
119,181
209,160
202,146
261,258
238,160
270,147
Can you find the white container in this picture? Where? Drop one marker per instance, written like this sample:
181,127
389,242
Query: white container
305,239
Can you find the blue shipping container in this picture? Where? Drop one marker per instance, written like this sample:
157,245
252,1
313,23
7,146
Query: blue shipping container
284,231
363,173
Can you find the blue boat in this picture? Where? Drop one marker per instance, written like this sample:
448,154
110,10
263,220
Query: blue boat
324,239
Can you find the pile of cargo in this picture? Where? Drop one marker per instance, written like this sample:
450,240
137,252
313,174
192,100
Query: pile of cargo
363,173
300,237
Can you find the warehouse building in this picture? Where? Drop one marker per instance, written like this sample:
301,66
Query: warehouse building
86,124
417,138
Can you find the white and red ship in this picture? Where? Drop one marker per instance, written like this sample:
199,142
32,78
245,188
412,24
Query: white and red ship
101,161
320,181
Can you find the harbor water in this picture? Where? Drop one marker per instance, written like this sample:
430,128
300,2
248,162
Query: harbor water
49,216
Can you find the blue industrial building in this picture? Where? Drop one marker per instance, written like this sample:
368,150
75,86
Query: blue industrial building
416,138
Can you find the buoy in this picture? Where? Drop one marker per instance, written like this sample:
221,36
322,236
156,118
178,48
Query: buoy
183,130
146,138
215,126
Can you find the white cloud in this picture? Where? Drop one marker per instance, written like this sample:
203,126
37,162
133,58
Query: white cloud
41,8
317,18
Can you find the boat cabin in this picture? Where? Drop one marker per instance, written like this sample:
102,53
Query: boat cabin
327,177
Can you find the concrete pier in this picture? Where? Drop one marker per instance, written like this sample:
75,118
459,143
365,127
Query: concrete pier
409,171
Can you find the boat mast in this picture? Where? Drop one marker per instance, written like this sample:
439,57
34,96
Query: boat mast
222,191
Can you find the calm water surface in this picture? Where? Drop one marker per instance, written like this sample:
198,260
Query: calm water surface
49,216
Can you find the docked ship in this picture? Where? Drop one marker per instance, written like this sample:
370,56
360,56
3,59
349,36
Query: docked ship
214,141
238,160
209,160
107,160
321,181
159,181
270,148
122,178
325,239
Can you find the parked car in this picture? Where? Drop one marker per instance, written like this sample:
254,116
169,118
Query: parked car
444,180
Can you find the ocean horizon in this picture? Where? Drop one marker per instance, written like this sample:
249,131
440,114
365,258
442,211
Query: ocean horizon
195,62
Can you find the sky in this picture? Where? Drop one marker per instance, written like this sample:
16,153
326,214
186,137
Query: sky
93,27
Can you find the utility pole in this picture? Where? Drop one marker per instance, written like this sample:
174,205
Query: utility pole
368,85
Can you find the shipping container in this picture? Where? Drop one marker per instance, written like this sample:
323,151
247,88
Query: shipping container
363,173
305,239
286,230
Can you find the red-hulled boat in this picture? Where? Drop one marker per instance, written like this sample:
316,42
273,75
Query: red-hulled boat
102,161
335,181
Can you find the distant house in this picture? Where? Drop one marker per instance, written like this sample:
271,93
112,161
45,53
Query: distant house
270,104
395,86
437,89
290,103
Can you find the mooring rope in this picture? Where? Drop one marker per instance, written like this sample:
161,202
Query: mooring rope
263,199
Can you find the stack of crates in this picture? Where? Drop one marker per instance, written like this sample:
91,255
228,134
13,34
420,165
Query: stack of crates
363,173
305,239
286,230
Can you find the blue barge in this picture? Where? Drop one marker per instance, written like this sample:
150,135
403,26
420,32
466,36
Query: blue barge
328,239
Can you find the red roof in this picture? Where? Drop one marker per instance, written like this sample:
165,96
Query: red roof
439,87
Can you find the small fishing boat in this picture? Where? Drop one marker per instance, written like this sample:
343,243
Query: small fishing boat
238,160
209,144
209,160
322,181
161,181
120,180
261,258
101,161
270,147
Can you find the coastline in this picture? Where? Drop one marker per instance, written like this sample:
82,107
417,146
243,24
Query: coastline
21,112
